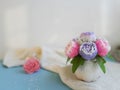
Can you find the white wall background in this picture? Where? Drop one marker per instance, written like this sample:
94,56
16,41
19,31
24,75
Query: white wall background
54,22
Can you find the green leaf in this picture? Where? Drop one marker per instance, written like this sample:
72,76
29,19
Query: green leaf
76,61
110,56
101,63
67,60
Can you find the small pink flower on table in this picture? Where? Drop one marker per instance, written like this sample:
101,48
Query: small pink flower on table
72,49
31,65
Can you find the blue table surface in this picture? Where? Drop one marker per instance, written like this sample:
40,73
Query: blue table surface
16,79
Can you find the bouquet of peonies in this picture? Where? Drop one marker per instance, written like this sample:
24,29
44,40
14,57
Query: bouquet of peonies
87,47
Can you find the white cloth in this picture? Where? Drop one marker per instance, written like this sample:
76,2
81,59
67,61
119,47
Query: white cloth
54,60
10,60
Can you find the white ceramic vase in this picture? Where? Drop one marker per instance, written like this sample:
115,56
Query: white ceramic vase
89,72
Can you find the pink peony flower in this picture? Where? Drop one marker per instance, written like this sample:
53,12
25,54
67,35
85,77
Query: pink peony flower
103,47
72,49
108,45
32,65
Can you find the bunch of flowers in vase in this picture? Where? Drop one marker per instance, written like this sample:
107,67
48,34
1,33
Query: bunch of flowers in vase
87,54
